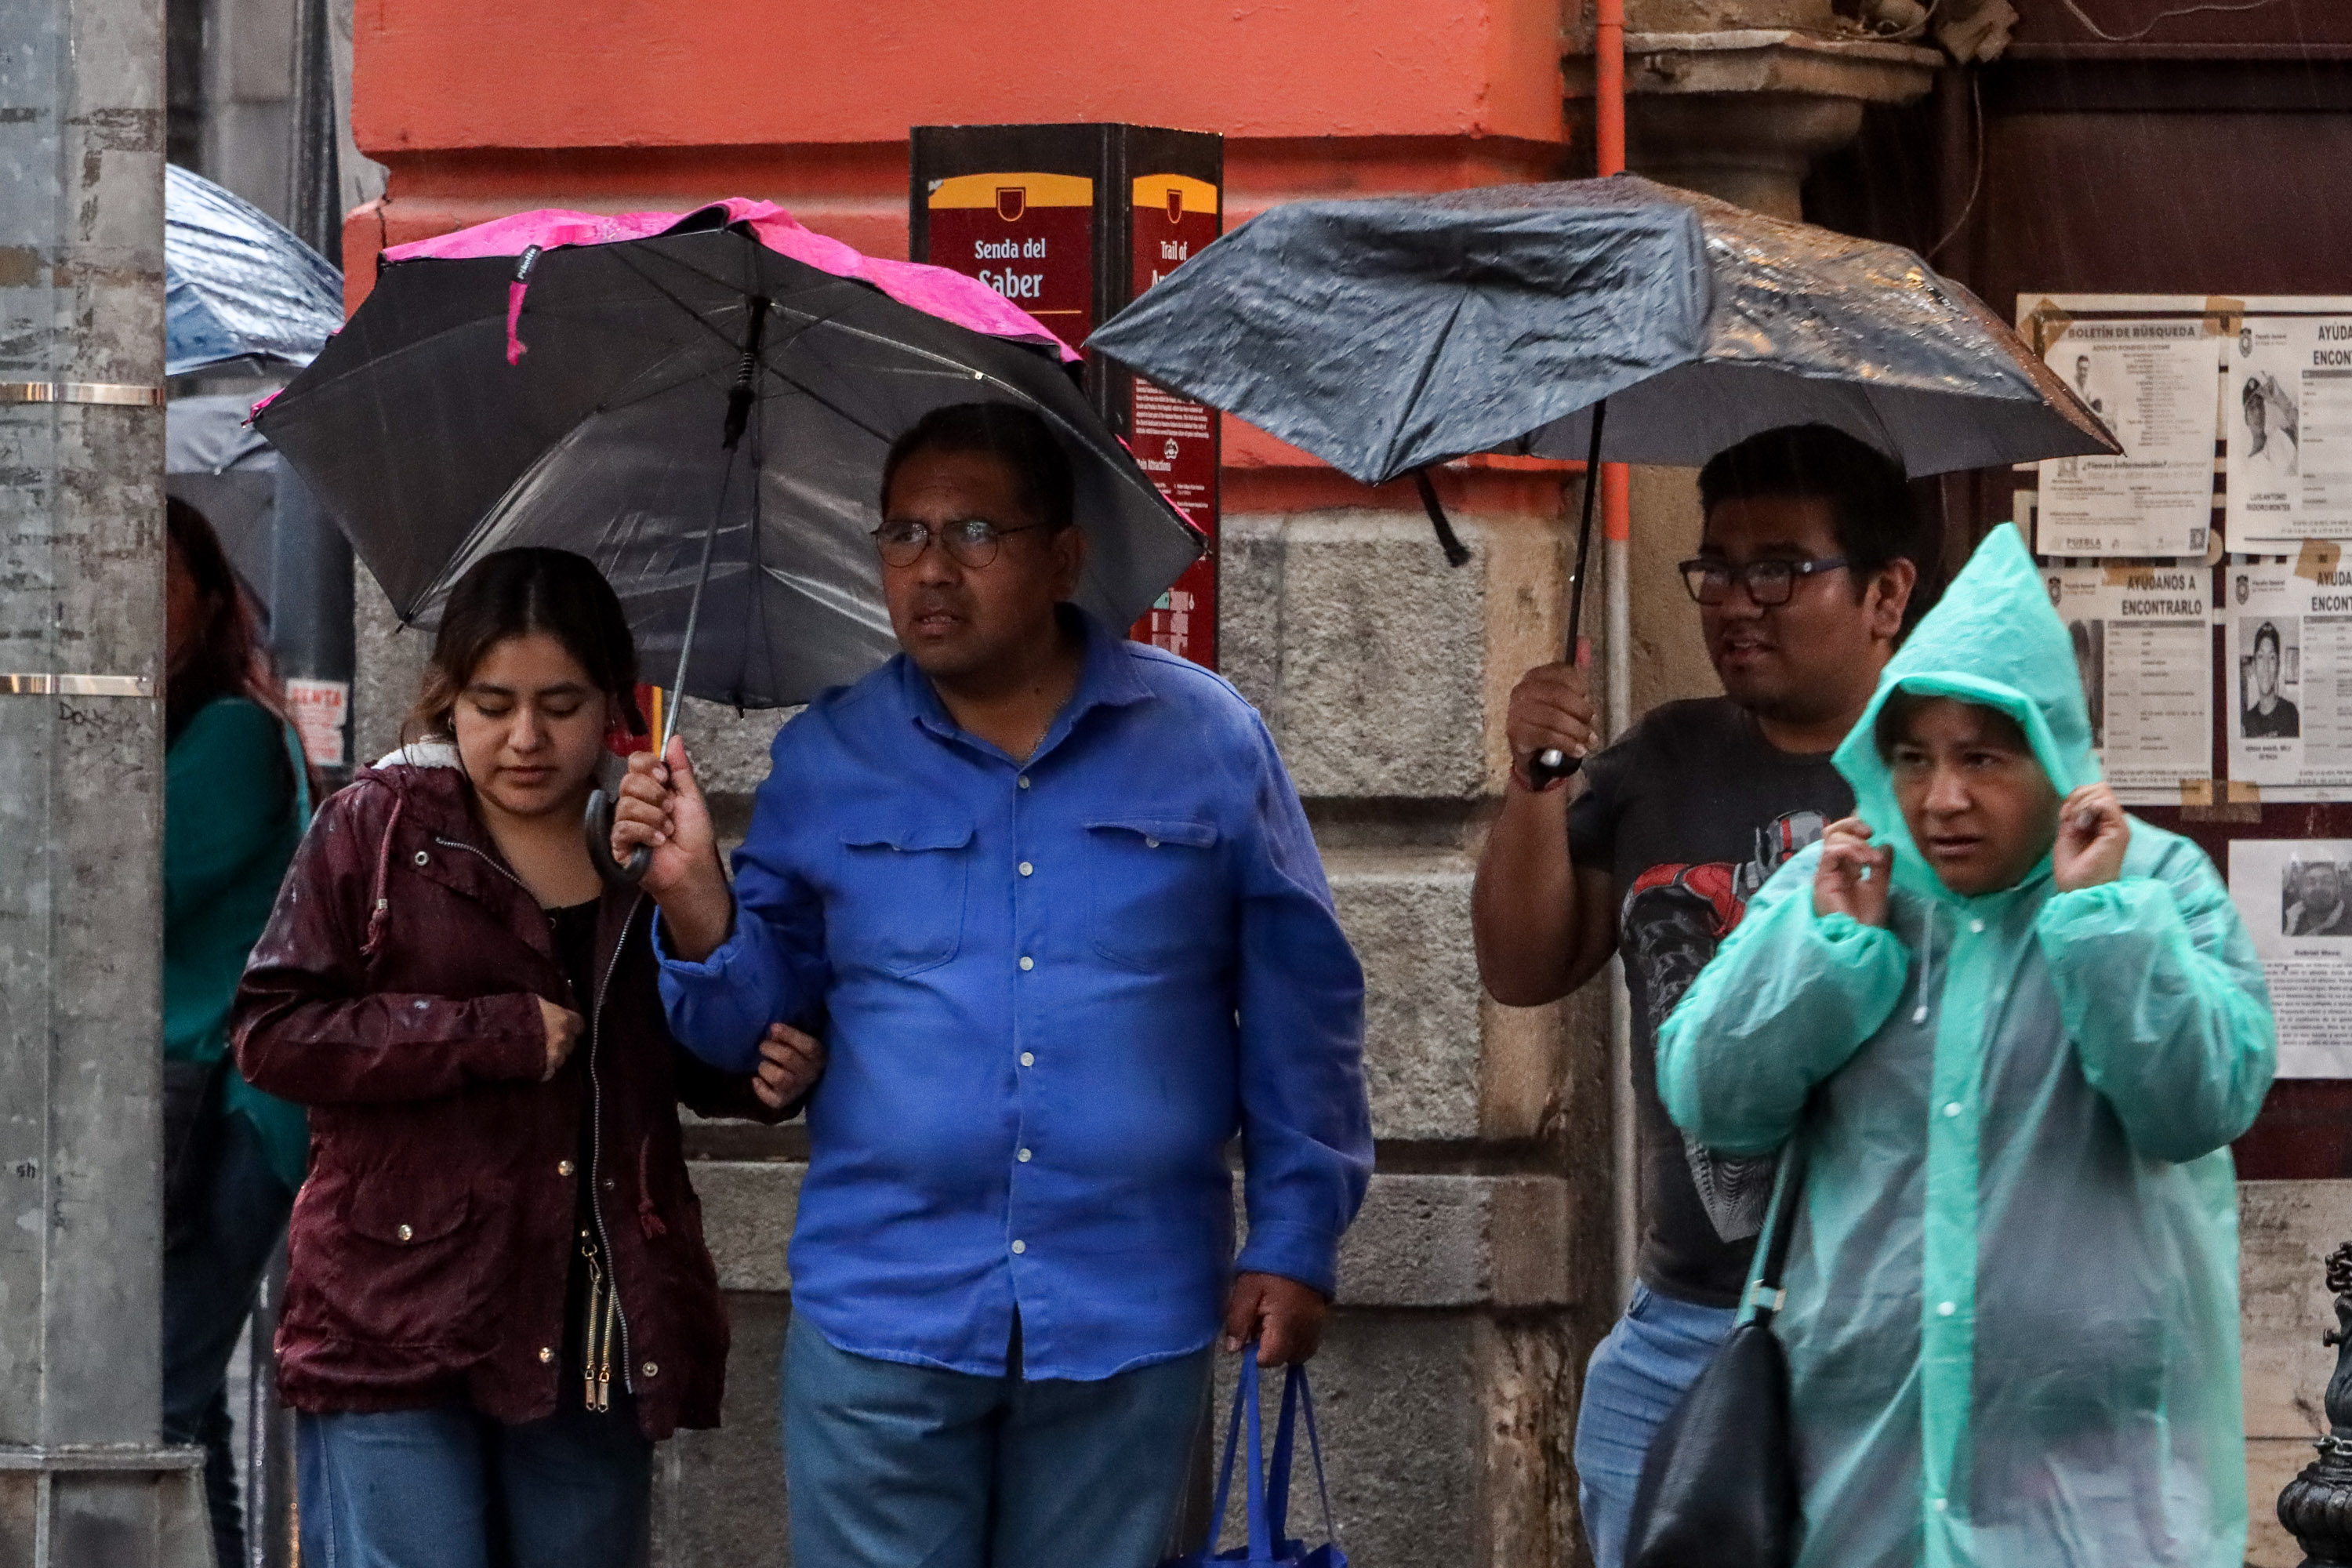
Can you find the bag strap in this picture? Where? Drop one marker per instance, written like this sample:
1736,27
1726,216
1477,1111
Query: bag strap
1226,1470
1278,1488
1766,1296
1315,1446
1261,1540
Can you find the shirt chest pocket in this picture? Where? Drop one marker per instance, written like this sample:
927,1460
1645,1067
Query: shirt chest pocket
1156,893
904,885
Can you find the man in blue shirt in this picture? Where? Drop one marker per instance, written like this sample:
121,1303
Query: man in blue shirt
1052,902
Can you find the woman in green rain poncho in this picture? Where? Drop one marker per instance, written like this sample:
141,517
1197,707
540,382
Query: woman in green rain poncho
2016,1041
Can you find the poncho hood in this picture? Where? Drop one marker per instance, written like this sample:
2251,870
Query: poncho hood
1992,639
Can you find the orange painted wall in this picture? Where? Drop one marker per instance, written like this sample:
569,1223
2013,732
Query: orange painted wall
481,110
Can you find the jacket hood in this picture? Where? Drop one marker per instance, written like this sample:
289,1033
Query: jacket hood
1992,639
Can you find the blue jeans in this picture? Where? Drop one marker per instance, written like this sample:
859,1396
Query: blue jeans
213,1264
893,1466
1656,1351
445,1488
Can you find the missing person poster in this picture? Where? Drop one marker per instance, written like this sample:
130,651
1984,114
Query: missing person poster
2144,645
2287,654
2295,897
2287,398
2150,382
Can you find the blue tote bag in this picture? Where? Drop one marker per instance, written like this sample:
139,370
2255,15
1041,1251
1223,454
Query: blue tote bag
1267,1503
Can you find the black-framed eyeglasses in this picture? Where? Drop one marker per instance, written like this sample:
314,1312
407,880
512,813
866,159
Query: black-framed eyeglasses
1769,582
972,541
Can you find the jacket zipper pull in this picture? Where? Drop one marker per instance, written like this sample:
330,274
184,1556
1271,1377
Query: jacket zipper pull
592,1395
605,1361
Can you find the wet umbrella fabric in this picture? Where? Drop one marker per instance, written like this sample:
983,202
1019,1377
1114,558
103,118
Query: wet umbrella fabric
584,404
1385,335
237,285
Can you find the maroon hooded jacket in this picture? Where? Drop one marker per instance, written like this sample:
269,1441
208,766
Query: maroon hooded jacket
395,994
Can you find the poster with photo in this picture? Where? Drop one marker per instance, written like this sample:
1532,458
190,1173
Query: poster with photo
2150,382
2143,642
2287,654
2286,397
2295,897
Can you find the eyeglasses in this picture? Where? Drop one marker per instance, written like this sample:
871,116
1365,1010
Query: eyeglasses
1769,583
972,541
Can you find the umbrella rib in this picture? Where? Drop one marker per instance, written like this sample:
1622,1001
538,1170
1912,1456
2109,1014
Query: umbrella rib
1421,384
693,312
806,320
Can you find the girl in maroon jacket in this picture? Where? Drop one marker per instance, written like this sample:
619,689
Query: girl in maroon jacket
498,1295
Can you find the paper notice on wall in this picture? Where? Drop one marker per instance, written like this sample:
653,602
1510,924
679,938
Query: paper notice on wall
2144,645
2295,897
2150,382
2287,655
2286,397
320,708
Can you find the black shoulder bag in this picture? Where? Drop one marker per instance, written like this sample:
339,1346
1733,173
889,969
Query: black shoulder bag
1719,1483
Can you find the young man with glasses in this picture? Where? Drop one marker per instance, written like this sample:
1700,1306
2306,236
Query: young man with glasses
1805,581
1050,898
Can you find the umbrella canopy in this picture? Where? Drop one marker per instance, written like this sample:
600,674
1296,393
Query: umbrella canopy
564,379
236,284
1388,334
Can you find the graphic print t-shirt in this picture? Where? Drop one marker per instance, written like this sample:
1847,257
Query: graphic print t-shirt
1691,812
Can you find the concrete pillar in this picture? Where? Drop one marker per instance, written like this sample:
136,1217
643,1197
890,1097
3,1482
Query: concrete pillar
82,1476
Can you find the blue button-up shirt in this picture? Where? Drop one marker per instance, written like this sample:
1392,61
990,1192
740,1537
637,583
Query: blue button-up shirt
1051,993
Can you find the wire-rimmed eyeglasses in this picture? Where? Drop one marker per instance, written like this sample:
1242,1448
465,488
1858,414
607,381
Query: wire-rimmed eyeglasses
974,542
1769,582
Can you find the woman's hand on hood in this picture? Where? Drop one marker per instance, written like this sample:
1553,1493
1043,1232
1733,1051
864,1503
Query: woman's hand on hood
2093,834
1852,875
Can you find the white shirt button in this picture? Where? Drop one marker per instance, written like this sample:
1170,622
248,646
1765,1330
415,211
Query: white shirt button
1945,1309
1151,844
1942,1503
1025,780
1022,1156
1020,1247
1027,963
1953,1109
1028,1060
1026,868
1976,925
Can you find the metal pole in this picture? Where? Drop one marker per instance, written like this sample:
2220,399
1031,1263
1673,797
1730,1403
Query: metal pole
1609,149
83,1476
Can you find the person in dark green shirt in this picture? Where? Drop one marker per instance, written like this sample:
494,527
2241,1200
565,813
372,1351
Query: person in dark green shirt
236,796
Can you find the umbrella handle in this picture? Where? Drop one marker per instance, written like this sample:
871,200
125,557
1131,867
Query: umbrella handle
1551,764
598,829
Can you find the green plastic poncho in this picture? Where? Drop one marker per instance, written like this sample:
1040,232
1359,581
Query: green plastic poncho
2011,1315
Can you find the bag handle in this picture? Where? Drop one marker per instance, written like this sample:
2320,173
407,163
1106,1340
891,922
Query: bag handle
1261,1540
1297,1395
1278,1490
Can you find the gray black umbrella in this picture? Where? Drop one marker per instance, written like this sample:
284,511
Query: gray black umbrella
1386,335
1612,320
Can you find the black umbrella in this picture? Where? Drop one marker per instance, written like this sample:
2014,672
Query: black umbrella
1615,319
699,412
